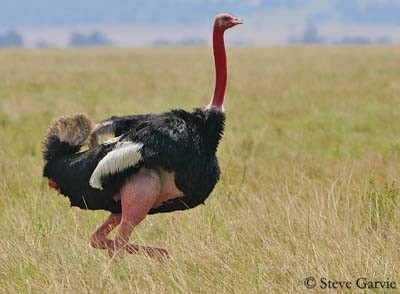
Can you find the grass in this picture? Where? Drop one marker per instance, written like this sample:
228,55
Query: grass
310,162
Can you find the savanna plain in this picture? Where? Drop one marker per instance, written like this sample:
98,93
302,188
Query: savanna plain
310,165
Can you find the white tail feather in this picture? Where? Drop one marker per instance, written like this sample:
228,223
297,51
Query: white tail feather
103,129
125,155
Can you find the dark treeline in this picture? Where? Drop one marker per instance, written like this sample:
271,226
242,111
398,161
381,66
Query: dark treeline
311,35
95,38
11,39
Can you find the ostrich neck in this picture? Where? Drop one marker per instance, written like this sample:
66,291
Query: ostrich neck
220,67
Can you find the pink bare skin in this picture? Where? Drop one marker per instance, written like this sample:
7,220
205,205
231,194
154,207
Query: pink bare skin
143,191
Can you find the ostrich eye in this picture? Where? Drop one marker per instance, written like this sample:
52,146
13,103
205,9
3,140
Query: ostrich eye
226,18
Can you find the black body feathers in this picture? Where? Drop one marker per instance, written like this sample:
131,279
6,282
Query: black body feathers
177,141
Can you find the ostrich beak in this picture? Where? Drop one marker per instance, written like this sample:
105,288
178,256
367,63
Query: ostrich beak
237,21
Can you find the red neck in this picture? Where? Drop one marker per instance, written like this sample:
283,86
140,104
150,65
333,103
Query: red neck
220,67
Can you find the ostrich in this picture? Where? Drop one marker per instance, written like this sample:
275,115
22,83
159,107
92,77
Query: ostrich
158,163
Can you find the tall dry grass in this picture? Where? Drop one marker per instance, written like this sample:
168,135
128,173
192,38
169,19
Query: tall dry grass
310,163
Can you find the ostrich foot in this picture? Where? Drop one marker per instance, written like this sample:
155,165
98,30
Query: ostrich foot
115,249
99,242
153,252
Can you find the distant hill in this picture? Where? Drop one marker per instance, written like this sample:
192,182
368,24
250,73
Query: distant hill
184,22
16,13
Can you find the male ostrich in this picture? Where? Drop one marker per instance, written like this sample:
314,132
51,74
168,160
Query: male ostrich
159,163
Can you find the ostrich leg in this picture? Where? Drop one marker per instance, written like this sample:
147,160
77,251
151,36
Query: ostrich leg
98,239
138,196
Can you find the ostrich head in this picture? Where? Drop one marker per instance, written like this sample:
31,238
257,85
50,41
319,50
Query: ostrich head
225,21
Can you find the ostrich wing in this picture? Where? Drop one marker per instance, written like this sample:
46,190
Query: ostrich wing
116,126
161,142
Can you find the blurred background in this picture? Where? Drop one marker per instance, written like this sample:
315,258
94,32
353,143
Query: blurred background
130,23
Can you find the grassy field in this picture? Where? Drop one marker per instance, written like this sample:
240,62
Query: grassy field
310,162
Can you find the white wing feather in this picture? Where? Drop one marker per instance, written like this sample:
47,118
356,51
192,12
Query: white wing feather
123,156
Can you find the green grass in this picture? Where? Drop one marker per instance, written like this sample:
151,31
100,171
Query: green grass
310,169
